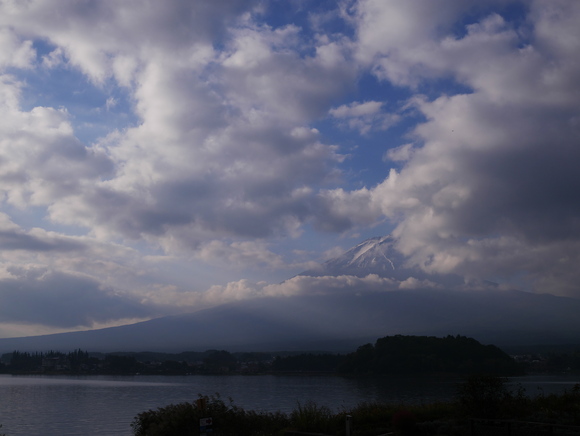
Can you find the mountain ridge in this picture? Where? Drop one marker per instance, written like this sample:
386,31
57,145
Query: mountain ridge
338,321
354,320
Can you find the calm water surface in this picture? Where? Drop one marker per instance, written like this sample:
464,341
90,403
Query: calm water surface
106,405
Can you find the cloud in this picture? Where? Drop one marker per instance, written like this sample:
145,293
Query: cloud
490,168
321,285
220,149
225,152
396,40
15,51
53,59
356,109
399,154
299,285
94,35
62,300
59,281
305,285
341,210
41,158
240,254
363,117
28,241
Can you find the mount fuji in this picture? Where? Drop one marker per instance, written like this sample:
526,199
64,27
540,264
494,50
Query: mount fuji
373,256
378,256
347,301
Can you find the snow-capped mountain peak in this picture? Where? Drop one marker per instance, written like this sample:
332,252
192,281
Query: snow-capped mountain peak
374,256
379,256
374,252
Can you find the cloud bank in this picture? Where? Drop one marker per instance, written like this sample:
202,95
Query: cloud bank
488,185
146,148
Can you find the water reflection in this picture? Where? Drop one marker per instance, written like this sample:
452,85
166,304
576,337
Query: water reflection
106,405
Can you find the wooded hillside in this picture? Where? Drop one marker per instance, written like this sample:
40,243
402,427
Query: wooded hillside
427,354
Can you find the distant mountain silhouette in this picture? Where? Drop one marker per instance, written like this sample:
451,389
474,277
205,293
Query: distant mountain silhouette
335,323
340,321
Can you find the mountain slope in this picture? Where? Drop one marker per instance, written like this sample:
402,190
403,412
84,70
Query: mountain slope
338,322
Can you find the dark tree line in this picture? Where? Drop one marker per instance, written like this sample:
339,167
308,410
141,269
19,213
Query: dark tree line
308,363
73,361
81,362
389,355
427,354
408,355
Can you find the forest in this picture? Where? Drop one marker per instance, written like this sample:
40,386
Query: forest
428,354
388,355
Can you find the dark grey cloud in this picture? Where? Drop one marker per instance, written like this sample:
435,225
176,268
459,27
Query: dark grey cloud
58,299
17,240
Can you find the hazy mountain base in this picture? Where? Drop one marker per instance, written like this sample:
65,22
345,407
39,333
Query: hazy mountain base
336,323
337,310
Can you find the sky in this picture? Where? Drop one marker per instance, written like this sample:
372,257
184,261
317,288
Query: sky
160,157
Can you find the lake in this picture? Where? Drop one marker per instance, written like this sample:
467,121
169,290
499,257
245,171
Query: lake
106,405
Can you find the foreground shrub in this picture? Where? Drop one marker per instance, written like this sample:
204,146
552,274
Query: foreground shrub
561,409
228,419
483,396
478,397
313,418
172,419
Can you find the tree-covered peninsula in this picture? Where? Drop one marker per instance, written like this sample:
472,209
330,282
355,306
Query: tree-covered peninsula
428,354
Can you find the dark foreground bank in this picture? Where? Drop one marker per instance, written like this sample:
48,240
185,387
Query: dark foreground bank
482,403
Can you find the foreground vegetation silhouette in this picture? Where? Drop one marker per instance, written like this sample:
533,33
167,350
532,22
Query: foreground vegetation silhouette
478,398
